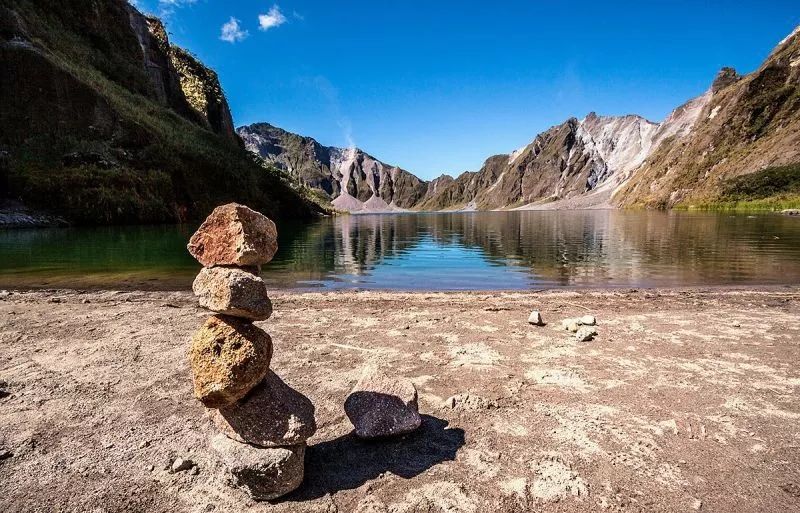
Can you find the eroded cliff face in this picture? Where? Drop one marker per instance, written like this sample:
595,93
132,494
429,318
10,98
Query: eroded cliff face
100,129
568,160
200,85
352,179
745,125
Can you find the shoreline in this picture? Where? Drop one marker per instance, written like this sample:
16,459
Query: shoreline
684,395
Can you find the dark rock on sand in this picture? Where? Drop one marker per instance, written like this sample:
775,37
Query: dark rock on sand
382,406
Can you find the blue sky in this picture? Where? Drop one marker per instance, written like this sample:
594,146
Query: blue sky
437,87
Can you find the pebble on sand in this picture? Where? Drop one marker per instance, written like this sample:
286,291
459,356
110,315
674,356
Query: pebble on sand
272,414
535,318
234,234
228,357
264,473
585,333
180,464
380,406
233,291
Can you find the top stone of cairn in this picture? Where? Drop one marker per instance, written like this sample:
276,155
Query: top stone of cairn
234,234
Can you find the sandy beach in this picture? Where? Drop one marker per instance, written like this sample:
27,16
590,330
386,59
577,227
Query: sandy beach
686,400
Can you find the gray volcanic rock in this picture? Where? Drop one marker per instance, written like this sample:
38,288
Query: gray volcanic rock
233,291
264,473
272,414
234,234
380,406
228,357
347,174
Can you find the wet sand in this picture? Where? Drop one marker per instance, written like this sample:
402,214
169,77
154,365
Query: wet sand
687,399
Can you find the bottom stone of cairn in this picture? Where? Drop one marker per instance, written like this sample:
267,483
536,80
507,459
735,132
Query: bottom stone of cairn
264,473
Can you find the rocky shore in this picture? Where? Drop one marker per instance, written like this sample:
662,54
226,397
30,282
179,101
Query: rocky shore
684,400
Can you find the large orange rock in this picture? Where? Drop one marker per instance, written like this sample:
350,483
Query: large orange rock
229,357
234,234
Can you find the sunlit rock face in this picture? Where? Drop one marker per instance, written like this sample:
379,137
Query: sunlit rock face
352,179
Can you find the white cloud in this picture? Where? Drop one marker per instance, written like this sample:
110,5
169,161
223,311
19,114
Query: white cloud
273,18
232,32
167,7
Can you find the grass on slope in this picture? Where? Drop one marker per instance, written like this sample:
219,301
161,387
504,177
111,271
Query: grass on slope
775,188
174,169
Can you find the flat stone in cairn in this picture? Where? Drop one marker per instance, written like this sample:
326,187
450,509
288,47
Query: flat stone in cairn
234,234
381,406
264,473
272,414
228,357
233,291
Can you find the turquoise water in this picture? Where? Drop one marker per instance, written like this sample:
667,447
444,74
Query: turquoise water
456,251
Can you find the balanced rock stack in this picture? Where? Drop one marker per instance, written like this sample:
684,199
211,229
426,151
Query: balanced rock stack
264,423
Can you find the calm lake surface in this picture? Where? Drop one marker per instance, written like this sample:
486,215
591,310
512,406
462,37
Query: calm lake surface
456,251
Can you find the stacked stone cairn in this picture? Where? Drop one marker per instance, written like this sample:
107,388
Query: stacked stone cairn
263,423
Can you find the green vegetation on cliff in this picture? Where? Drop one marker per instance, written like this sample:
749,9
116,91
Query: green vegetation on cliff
774,188
101,130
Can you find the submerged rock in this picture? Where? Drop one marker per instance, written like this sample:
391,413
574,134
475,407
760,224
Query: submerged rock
272,414
380,406
233,291
535,318
264,473
234,234
228,358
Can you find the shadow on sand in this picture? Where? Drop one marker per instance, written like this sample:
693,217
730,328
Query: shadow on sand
348,462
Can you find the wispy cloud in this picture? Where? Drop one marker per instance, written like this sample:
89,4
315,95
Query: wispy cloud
232,32
273,18
167,7
329,95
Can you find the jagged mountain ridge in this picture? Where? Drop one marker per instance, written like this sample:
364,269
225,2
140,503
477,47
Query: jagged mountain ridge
352,179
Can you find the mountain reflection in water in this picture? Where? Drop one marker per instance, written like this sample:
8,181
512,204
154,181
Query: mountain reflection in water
442,251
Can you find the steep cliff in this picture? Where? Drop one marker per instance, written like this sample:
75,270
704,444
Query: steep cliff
746,125
203,91
100,129
352,179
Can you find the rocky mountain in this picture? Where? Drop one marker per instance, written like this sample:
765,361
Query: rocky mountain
740,126
111,123
746,124
352,179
